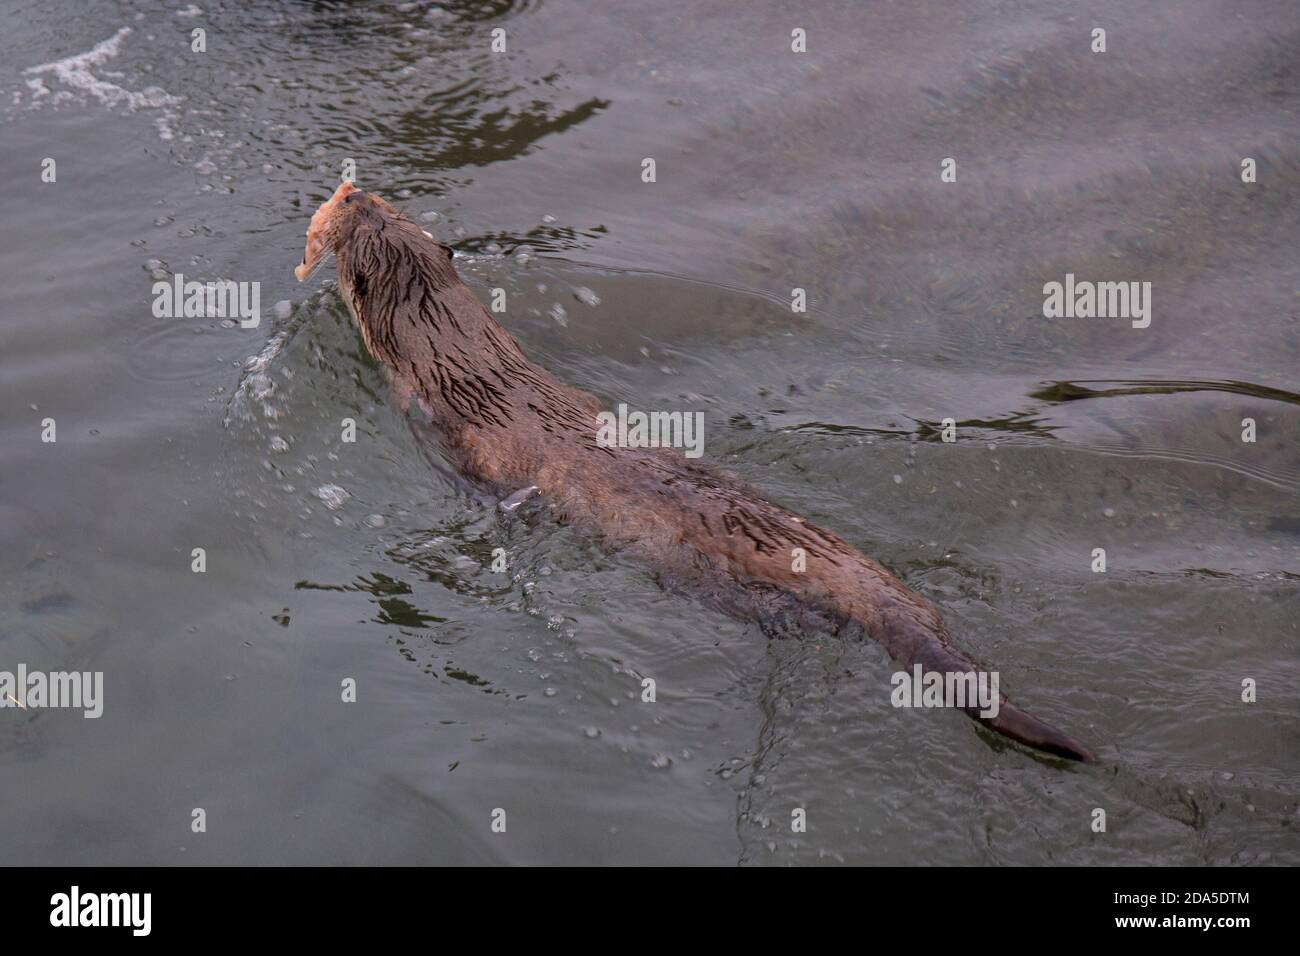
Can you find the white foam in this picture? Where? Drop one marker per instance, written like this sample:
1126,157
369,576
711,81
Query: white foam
263,359
75,71
256,388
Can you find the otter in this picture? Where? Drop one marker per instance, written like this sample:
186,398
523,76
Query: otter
507,424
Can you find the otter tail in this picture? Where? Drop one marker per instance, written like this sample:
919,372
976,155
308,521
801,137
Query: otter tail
1024,727
914,635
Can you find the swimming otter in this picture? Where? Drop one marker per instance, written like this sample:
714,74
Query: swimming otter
509,424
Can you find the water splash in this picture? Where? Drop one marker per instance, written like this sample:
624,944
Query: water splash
75,71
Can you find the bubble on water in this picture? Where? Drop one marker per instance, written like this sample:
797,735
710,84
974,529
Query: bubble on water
559,315
279,445
586,296
205,167
592,732
898,479
376,521
283,309
1108,512
660,760
333,496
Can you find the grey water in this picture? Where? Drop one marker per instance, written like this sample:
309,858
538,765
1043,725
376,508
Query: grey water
330,562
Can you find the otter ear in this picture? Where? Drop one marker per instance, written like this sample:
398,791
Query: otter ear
446,250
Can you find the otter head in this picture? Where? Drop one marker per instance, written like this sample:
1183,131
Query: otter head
387,265
338,221
361,228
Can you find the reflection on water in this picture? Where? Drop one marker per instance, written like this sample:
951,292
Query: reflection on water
776,171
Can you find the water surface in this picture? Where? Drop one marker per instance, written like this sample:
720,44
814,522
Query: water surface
775,170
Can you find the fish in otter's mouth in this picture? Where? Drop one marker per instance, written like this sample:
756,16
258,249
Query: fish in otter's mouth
508,424
318,232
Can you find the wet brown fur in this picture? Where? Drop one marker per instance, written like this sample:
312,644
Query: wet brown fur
509,423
